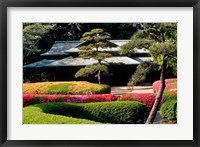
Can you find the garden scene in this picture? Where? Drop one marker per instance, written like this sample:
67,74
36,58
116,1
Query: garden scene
100,73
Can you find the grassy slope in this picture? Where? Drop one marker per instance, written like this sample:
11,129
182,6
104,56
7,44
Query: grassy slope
34,115
106,112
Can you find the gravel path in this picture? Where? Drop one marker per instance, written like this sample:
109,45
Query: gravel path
136,89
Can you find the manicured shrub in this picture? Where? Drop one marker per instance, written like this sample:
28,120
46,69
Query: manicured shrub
76,87
168,110
29,99
145,98
106,112
34,115
170,95
170,84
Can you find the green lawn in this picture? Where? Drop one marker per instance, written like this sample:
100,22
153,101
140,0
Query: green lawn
119,112
35,115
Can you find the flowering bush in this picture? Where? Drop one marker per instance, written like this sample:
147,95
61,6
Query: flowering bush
145,98
29,99
74,88
171,84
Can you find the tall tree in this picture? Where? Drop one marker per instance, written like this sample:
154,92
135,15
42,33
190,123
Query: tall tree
32,35
95,40
160,39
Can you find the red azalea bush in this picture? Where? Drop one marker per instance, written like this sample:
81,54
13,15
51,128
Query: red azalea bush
29,99
145,98
171,84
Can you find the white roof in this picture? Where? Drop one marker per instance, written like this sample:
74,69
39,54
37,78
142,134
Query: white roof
70,61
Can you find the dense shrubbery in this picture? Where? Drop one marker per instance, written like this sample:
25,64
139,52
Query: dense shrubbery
29,99
85,92
171,84
74,88
34,115
170,95
106,112
168,110
145,98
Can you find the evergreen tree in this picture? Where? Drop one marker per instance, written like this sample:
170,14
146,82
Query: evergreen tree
95,40
33,33
160,39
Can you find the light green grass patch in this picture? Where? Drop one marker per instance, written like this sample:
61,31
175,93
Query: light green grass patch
34,115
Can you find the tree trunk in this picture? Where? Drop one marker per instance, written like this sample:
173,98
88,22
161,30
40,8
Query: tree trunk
99,72
99,76
158,97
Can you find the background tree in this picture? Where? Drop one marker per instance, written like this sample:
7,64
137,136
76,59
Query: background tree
36,39
39,37
94,41
74,31
160,39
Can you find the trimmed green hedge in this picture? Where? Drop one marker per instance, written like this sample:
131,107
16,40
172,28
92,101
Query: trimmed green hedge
169,96
35,115
75,87
123,112
168,110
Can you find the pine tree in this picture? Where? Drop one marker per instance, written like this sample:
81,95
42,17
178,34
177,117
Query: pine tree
33,33
160,39
95,40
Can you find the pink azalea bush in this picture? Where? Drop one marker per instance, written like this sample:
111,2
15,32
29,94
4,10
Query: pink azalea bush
145,98
29,99
171,84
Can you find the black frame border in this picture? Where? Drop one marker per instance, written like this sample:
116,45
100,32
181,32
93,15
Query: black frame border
98,3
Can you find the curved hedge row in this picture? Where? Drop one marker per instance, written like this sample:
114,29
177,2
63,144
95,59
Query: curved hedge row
34,115
75,87
145,98
106,112
29,99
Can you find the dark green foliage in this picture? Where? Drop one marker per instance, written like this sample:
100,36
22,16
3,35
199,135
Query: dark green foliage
161,32
168,110
74,31
35,100
138,40
158,51
160,39
141,72
34,39
92,69
106,112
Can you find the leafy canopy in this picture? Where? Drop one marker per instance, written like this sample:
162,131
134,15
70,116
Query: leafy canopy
32,35
160,39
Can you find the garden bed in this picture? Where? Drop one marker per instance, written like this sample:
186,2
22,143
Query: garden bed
73,88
